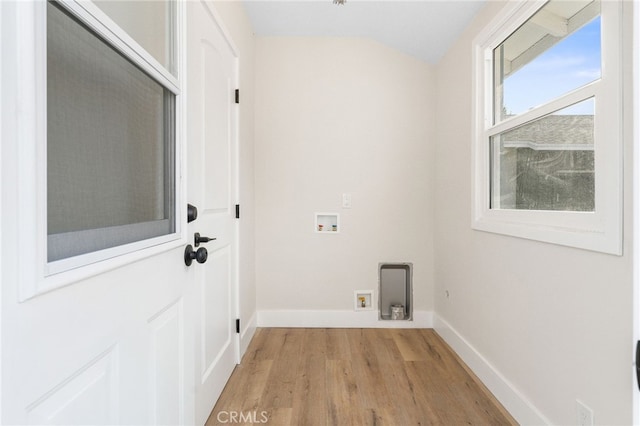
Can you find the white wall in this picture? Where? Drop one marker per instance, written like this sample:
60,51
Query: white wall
555,322
237,23
334,116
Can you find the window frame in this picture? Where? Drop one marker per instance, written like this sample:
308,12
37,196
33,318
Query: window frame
39,275
600,230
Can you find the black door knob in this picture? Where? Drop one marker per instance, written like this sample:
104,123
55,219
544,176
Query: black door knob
199,255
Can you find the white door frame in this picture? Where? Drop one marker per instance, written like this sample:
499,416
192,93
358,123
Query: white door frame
1,197
636,203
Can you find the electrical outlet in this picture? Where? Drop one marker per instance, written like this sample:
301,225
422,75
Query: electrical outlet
585,414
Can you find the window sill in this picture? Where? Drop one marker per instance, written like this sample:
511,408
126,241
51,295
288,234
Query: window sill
593,238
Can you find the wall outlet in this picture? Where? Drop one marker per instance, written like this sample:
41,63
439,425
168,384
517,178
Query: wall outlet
584,413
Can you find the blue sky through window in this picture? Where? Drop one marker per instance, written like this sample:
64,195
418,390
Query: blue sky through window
571,63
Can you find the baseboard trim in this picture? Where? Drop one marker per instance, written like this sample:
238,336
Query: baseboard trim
339,319
517,404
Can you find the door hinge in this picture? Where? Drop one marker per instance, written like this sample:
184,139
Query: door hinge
237,211
638,363
238,325
237,96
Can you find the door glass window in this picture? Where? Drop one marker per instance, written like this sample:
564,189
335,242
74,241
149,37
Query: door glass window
110,144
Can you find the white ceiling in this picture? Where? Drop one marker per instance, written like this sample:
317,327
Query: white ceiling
421,28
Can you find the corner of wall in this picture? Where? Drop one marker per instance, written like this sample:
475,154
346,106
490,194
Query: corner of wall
246,334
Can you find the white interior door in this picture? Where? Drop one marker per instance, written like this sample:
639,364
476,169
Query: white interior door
212,189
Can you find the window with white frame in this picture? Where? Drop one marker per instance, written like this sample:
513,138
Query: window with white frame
111,138
547,145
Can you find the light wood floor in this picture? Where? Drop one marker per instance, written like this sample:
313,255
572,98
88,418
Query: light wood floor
354,377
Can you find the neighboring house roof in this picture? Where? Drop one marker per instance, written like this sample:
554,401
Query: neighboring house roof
553,132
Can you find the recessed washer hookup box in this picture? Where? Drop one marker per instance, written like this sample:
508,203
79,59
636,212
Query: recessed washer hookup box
395,282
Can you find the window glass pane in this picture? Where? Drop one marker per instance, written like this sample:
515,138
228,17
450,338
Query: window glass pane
547,164
557,50
110,144
149,22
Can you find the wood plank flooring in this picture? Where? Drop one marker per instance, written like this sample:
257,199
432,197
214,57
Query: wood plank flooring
297,376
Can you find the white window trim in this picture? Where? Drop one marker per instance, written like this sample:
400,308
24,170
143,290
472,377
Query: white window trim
598,231
37,275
